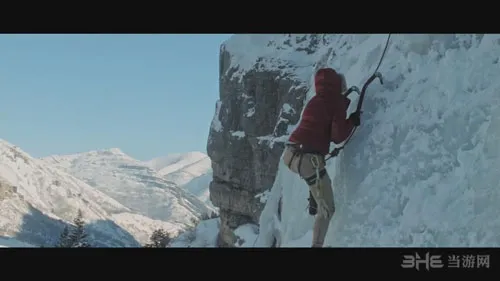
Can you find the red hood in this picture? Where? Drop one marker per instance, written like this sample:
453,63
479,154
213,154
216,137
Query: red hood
327,82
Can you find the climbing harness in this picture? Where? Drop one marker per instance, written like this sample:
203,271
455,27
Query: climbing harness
361,94
314,179
298,151
315,165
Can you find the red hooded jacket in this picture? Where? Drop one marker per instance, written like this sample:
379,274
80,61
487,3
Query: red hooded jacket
324,117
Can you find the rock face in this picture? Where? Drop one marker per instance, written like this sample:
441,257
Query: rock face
261,99
6,190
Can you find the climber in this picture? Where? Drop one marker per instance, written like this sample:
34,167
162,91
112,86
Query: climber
323,121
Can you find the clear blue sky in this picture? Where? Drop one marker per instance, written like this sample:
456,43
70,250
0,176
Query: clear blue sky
147,94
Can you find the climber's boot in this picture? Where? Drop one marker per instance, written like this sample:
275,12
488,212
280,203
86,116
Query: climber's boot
313,205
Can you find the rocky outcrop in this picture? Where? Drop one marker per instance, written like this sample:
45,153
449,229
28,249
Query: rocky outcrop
6,190
253,117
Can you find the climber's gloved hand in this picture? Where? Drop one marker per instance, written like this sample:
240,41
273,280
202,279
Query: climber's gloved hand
355,118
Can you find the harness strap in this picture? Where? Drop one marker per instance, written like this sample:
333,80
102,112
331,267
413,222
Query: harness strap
291,159
315,164
311,180
319,174
298,151
300,164
315,178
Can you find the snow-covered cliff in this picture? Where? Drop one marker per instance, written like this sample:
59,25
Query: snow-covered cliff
422,170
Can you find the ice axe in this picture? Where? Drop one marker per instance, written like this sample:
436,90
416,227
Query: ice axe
377,74
365,86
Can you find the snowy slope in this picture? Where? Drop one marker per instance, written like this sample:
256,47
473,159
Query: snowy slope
181,168
199,187
423,168
191,171
37,201
204,235
177,159
6,242
141,227
132,183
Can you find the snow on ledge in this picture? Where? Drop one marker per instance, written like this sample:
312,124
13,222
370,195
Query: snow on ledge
246,235
250,112
238,134
216,124
272,52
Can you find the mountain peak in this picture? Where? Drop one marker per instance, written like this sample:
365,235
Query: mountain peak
8,144
114,153
15,151
113,150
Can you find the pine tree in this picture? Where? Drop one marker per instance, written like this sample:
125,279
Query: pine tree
64,239
159,239
78,237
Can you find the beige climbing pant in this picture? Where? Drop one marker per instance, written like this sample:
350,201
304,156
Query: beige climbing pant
321,190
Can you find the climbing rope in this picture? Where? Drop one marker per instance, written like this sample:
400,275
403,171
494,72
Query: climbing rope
383,53
375,74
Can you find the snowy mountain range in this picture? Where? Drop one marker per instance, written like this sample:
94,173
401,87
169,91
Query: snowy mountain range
141,186
191,170
123,200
